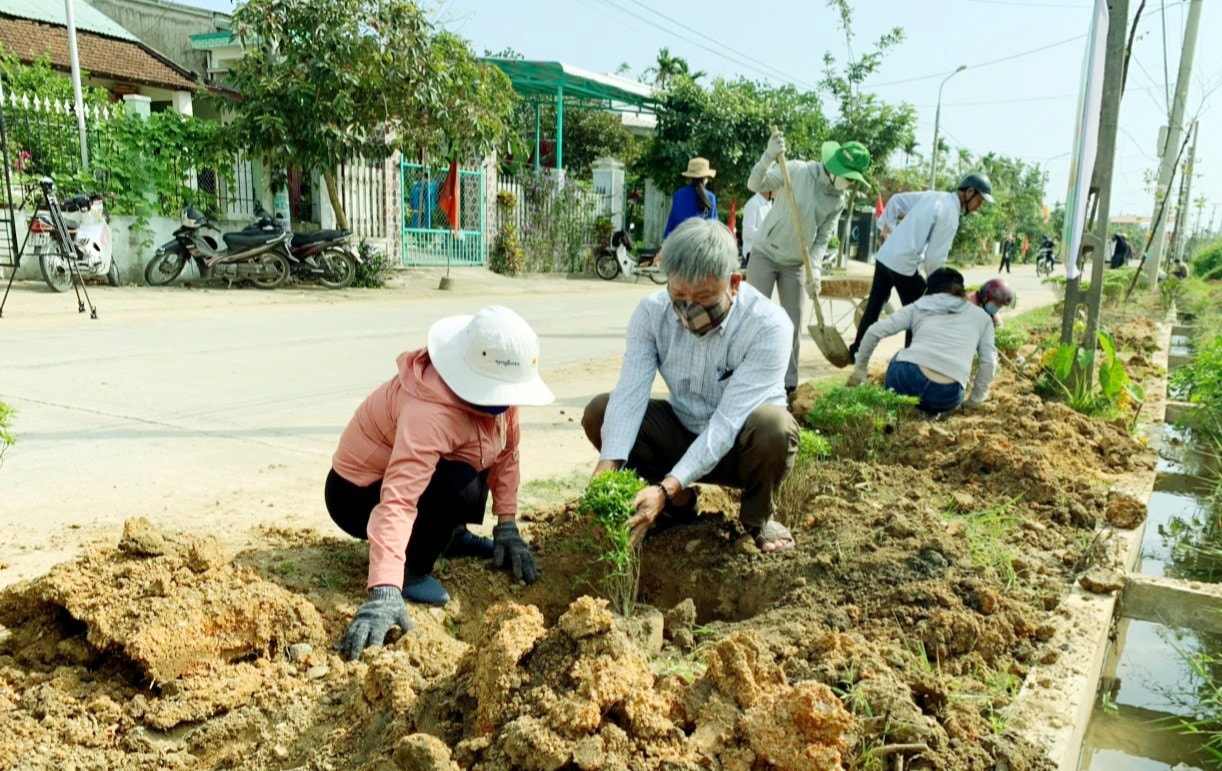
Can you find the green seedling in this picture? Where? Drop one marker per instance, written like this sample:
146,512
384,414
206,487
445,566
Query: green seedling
1010,339
987,535
608,503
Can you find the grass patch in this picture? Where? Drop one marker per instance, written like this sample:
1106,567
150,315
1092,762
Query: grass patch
988,533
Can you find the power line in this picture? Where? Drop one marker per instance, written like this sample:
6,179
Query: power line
1063,6
1011,57
714,51
716,42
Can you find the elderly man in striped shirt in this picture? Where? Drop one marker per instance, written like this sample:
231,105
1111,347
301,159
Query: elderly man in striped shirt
722,348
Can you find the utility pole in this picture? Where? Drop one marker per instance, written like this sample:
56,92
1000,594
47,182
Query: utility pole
1175,135
937,120
1101,183
1181,219
77,98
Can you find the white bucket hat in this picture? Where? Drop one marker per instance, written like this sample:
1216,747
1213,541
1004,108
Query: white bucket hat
489,359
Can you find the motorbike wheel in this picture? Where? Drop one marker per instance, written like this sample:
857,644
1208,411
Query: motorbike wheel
112,275
165,266
273,270
607,267
658,277
860,310
339,269
55,270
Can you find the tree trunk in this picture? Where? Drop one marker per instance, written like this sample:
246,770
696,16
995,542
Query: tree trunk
341,219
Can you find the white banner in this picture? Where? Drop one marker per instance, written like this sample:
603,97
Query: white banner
1086,138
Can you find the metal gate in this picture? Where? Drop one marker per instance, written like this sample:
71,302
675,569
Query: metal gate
428,235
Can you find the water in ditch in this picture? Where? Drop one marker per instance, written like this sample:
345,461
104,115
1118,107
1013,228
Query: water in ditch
1148,683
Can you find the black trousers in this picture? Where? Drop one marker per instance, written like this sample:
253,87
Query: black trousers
910,289
456,495
1005,263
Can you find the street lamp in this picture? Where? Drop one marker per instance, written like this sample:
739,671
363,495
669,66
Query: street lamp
933,162
1044,167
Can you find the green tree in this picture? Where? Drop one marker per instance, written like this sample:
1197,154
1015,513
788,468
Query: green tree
864,117
729,123
670,68
324,82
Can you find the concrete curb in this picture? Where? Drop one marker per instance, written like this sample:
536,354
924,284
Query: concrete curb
1054,706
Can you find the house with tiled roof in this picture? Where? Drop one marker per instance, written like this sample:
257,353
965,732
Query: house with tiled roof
111,57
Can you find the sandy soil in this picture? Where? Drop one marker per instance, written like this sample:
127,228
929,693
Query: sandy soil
924,585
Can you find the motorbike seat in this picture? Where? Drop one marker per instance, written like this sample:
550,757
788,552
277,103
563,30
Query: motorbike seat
244,239
318,236
71,224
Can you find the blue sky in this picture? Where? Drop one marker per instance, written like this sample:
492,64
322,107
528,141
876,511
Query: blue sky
1021,107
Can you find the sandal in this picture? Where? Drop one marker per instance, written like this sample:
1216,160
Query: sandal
468,544
771,532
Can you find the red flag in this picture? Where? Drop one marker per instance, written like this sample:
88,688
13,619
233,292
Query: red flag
448,200
878,206
732,222
1026,245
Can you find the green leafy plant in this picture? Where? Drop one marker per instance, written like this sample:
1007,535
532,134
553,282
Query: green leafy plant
1200,382
372,267
607,502
7,439
855,420
507,257
1110,394
1010,339
812,445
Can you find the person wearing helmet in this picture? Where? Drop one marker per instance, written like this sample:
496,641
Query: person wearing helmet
948,334
922,227
992,296
776,253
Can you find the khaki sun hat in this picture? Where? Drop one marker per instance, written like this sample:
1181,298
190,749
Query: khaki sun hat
489,359
849,160
698,168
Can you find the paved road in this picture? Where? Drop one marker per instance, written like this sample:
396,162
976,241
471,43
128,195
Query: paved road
215,410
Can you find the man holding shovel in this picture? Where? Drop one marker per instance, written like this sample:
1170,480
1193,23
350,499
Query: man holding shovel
809,200
922,227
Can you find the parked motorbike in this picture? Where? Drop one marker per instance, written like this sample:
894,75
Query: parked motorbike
258,254
617,258
88,233
322,256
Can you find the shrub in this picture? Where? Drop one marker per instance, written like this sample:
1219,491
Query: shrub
856,419
608,502
7,439
1208,260
1200,382
372,267
811,446
798,489
1110,394
507,257
1009,339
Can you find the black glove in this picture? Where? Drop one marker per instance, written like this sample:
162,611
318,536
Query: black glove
510,551
384,609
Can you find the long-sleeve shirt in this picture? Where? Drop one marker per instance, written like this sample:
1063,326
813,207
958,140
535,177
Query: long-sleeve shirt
924,234
399,433
819,206
715,381
684,205
947,332
754,214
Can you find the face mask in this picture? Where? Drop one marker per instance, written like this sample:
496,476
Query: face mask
491,410
840,183
701,319
991,308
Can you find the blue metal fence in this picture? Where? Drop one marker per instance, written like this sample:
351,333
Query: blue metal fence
428,235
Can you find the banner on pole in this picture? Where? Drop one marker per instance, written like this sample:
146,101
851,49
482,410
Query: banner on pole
1086,138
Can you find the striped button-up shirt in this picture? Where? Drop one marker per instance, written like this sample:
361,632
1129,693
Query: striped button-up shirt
715,381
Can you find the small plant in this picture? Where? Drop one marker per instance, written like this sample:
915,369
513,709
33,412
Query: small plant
372,267
608,502
1114,391
856,419
1009,340
507,257
811,446
987,532
1200,382
7,439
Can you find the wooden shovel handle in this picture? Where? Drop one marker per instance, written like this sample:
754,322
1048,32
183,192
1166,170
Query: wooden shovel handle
797,223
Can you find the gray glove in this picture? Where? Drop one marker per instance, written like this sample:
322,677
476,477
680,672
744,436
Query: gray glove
384,609
815,285
776,146
510,551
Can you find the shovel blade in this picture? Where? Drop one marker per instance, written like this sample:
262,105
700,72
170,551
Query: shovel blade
831,345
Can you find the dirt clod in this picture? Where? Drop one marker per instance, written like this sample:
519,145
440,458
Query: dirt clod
141,539
1124,511
1100,580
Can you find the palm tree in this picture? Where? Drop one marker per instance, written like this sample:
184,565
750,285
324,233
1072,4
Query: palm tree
669,67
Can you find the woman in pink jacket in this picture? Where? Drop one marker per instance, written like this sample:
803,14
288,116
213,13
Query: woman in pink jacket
421,454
